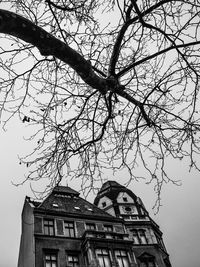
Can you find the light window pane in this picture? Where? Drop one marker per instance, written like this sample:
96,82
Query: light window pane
108,228
72,232
120,262
46,230
51,232
69,229
103,257
104,261
72,260
122,258
104,252
50,260
125,262
142,236
107,261
90,226
101,262
135,237
69,258
48,227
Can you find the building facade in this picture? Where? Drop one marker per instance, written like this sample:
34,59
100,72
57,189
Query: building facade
65,230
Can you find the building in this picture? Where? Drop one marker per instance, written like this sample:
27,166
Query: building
65,230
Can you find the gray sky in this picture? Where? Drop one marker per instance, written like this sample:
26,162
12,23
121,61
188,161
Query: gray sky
178,218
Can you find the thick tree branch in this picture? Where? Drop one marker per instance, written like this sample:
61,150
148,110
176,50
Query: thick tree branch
48,45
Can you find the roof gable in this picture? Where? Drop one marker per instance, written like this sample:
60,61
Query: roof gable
111,189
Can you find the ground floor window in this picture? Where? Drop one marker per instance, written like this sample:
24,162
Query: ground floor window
103,257
72,260
50,260
122,258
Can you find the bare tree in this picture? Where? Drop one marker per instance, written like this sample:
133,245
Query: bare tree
107,84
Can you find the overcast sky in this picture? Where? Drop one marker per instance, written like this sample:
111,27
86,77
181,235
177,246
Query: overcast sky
178,218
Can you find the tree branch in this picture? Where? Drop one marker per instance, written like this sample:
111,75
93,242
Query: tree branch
129,21
133,65
48,45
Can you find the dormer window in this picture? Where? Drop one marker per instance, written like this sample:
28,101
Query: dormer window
128,209
104,204
125,199
55,205
90,209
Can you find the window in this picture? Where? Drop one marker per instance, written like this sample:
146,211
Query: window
103,257
125,199
142,236
50,260
139,236
128,209
72,260
69,229
49,227
108,228
90,226
90,209
122,258
103,204
135,237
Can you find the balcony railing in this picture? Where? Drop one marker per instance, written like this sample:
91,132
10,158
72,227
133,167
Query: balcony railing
104,235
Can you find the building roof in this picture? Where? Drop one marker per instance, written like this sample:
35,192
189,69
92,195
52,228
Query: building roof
67,201
66,190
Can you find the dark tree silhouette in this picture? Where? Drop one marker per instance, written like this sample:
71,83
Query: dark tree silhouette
107,84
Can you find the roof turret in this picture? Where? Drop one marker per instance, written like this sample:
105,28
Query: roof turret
111,189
